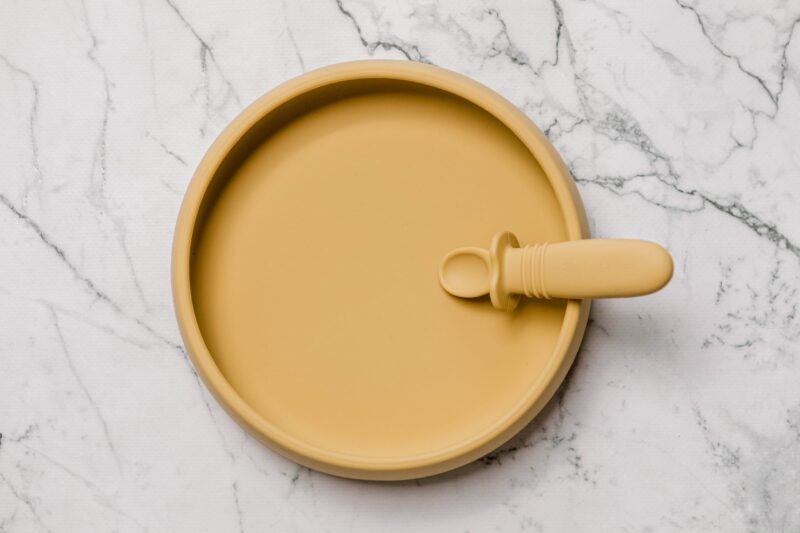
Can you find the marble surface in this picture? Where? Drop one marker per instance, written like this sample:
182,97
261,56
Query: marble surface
679,121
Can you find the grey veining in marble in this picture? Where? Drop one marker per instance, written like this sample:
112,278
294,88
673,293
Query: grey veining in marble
680,121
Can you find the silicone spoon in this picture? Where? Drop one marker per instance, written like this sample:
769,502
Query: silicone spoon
592,268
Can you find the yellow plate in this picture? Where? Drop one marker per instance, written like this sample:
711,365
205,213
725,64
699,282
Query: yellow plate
305,270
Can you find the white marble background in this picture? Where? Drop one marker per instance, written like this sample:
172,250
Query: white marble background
681,123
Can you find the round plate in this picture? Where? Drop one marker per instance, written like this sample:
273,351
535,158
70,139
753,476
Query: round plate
305,270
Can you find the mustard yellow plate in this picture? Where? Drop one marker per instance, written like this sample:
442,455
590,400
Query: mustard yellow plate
306,263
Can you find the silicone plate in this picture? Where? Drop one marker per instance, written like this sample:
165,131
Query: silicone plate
306,260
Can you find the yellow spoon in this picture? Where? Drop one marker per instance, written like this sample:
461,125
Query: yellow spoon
592,268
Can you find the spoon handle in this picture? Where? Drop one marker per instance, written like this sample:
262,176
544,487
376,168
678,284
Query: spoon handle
591,268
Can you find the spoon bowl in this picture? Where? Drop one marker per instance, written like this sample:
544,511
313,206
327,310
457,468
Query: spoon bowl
465,272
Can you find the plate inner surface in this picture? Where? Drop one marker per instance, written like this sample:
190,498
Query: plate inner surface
314,273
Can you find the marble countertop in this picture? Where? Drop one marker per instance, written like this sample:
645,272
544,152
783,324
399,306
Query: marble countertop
679,121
